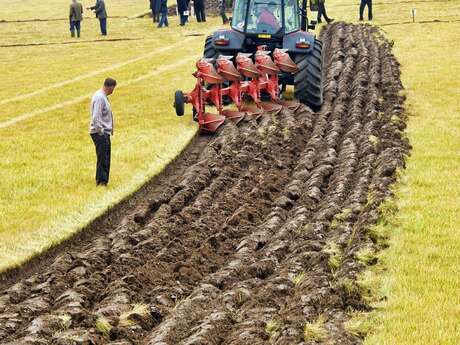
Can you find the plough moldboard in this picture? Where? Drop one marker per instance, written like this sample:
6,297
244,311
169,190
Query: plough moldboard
237,79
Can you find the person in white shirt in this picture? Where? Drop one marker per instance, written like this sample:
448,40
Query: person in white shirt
101,128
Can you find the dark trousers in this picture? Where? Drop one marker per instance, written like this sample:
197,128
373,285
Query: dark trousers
365,3
103,148
163,20
199,12
322,12
155,16
183,19
224,18
222,13
103,24
75,25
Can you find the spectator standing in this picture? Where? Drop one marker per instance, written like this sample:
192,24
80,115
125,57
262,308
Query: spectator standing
101,128
365,3
182,8
199,10
222,12
155,6
75,17
322,12
101,14
164,14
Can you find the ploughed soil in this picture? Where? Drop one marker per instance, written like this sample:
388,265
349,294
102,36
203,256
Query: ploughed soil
251,235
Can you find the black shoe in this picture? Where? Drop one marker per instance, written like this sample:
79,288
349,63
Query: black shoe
330,20
319,21
101,184
361,19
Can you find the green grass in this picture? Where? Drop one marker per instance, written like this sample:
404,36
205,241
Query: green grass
103,326
419,274
47,163
125,319
315,331
51,9
335,256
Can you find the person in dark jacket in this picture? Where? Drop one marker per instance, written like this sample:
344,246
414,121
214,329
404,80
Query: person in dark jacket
187,2
182,8
75,17
199,10
101,14
322,12
155,6
164,13
222,12
365,3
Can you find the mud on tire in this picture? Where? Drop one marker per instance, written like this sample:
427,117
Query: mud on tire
308,82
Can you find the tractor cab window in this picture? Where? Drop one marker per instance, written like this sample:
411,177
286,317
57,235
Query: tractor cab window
264,16
291,16
239,15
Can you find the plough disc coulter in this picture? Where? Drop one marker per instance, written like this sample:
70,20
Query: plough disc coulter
237,80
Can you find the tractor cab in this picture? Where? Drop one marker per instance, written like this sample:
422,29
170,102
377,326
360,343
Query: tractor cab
266,17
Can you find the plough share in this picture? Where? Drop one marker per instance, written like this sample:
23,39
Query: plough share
223,80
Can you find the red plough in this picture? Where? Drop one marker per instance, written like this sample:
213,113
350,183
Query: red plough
228,80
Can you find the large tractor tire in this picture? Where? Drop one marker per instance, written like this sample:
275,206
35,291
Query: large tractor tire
308,82
209,51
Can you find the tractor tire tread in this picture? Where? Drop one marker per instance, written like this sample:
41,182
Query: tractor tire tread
308,82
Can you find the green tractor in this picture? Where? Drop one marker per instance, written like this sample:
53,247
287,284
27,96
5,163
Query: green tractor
275,24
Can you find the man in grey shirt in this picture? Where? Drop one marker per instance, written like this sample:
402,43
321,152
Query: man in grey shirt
101,128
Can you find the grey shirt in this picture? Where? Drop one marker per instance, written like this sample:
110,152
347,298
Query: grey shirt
76,12
101,114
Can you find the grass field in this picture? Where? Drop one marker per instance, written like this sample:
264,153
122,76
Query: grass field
47,164
55,9
419,274
48,161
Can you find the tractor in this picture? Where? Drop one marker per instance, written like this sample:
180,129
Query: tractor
267,48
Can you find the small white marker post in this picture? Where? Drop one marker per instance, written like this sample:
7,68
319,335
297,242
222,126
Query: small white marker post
414,12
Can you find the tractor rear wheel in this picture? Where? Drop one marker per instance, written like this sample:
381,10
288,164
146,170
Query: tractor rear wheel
308,82
209,51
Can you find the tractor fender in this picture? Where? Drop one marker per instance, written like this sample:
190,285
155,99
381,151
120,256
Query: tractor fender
236,40
290,41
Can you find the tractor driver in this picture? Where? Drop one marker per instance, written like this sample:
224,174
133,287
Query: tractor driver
266,17
262,17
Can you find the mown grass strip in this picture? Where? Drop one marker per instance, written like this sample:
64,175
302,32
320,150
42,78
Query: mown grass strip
157,71
88,75
416,283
